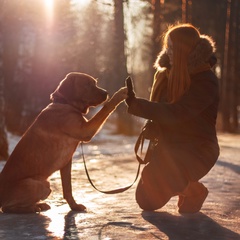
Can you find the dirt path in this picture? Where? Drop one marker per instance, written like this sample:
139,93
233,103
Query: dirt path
118,216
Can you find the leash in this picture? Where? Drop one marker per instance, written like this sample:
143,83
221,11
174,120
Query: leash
119,190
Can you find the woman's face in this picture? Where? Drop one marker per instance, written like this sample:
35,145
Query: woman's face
170,50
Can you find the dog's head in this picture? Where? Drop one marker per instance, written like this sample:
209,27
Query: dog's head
79,90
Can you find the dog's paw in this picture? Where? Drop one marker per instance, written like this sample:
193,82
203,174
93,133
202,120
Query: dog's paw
78,208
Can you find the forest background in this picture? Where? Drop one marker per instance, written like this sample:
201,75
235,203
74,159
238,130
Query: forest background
43,40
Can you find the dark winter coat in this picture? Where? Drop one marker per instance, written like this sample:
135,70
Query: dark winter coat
186,128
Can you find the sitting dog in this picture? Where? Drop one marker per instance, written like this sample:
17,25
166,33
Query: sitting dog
49,143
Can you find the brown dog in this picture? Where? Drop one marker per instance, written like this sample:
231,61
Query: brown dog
48,145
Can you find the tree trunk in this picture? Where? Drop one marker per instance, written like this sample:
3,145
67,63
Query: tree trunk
3,135
225,83
230,84
158,27
235,63
13,88
186,11
124,121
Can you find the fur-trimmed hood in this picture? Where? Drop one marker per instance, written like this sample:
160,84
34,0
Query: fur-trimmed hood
202,53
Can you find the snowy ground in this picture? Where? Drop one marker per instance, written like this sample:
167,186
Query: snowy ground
112,164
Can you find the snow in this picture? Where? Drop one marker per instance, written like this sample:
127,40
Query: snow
111,163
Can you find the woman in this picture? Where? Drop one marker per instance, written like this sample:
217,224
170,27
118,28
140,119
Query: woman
183,107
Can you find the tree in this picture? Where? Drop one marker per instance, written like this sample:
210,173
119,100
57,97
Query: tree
96,40
231,75
14,90
124,122
186,11
158,19
3,135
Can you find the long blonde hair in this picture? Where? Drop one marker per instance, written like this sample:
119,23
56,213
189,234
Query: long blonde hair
184,38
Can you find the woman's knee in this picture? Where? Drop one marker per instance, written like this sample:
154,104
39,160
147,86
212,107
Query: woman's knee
149,199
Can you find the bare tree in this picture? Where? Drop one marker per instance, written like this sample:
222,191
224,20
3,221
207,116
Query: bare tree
13,88
231,76
3,135
186,11
158,26
124,121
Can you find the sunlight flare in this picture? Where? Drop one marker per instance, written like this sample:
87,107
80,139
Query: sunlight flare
81,3
56,223
49,8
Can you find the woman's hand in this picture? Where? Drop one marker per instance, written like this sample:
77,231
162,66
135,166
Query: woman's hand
131,93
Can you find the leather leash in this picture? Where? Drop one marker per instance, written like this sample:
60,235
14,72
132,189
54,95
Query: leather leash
119,190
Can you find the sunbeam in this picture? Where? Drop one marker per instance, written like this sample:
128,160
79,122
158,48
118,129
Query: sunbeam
81,3
49,8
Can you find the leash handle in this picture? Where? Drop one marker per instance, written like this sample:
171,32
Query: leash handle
119,190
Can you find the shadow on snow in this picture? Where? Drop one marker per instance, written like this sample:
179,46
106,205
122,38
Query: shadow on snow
189,226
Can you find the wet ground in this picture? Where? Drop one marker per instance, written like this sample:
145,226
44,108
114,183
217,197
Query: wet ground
113,165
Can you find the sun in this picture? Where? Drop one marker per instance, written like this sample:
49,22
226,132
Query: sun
49,4
49,9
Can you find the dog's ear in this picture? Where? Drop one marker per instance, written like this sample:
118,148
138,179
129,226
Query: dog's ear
65,89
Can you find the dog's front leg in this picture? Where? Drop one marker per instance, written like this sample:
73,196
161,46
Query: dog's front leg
67,188
92,126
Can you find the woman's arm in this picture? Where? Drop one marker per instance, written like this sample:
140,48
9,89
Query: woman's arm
202,93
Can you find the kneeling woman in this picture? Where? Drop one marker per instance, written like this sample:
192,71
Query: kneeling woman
183,106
